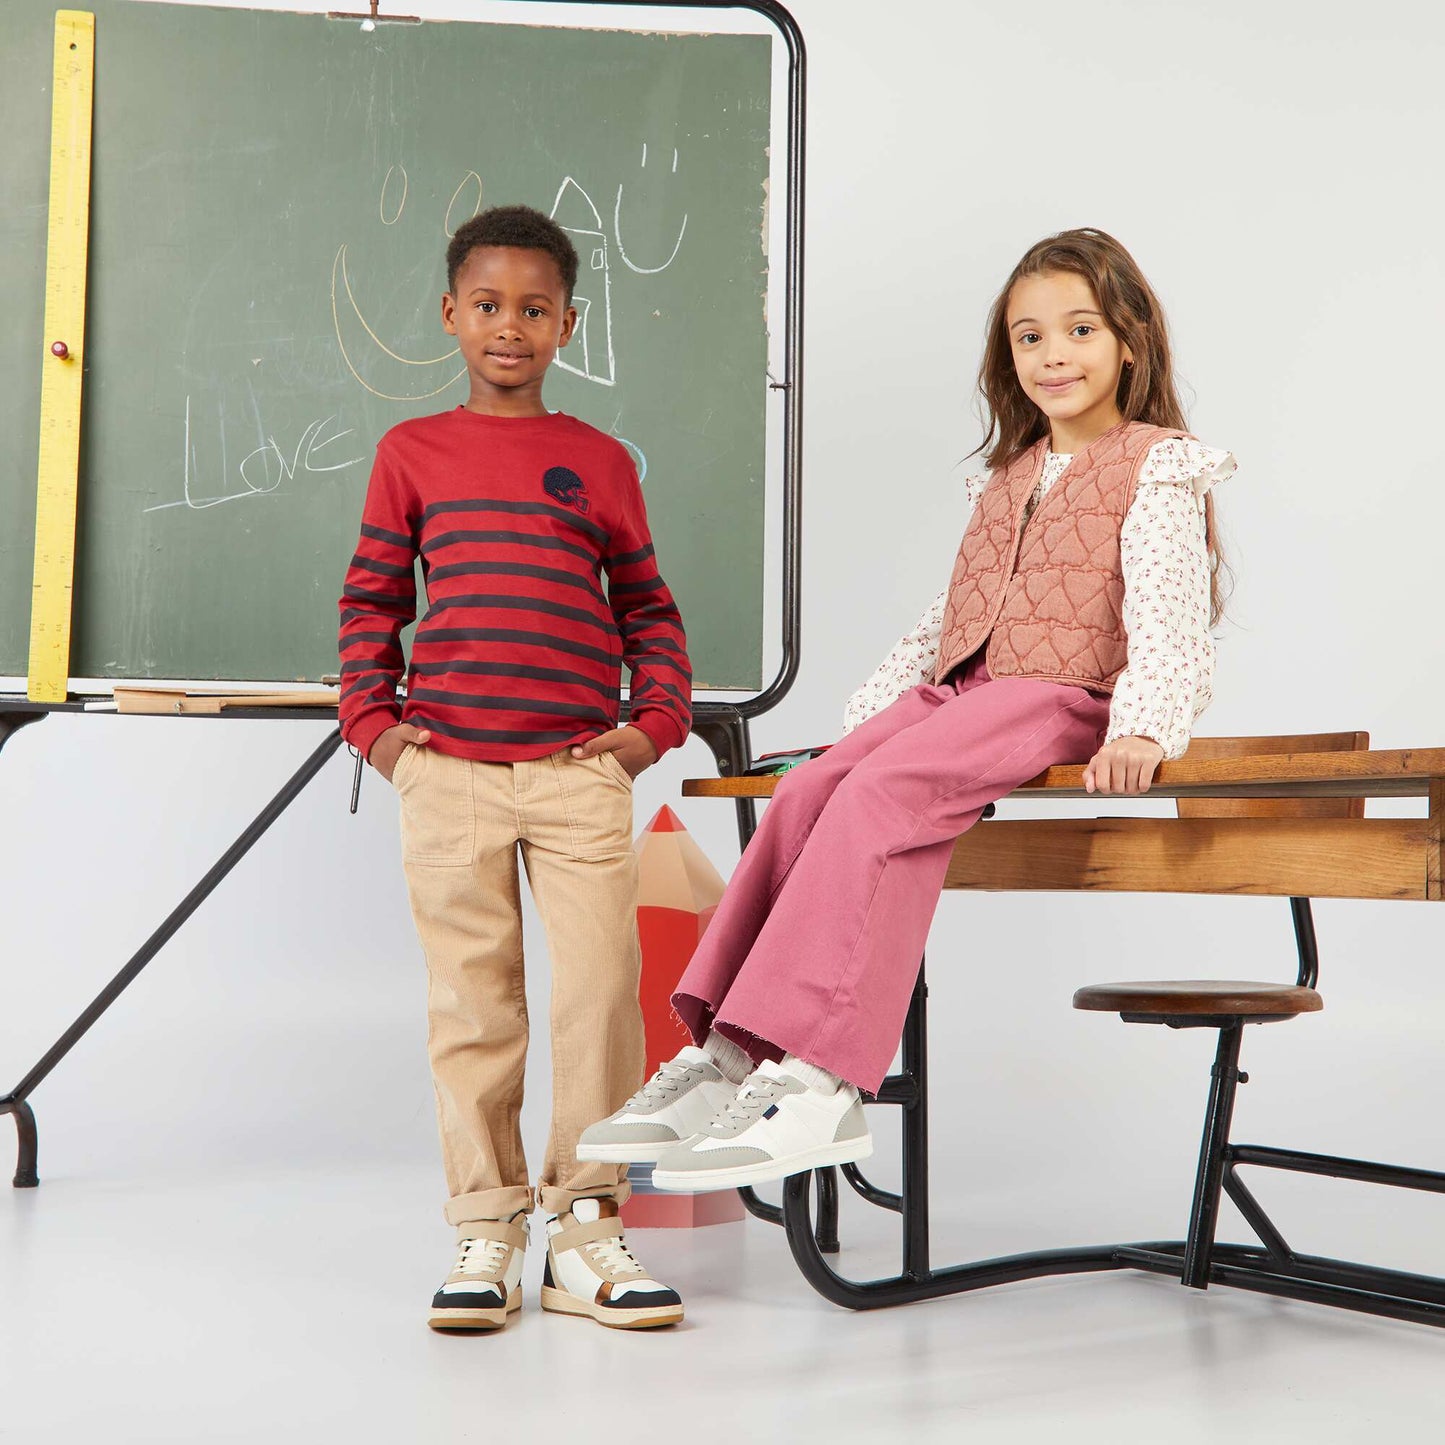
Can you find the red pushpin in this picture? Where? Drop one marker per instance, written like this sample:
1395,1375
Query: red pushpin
60,349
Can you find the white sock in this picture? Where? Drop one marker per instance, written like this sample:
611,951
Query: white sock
731,1062
811,1075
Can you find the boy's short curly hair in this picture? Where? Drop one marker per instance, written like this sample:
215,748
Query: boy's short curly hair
513,226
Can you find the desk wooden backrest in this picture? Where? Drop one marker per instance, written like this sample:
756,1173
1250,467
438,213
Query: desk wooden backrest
1208,750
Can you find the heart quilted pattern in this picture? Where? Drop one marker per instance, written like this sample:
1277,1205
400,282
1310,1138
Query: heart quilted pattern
1048,598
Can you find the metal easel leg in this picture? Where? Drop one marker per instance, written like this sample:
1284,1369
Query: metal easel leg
16,1101
12,722
25,1153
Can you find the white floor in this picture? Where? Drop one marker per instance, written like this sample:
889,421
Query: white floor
285,1304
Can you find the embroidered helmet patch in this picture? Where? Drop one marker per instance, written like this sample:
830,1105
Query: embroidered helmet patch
563,485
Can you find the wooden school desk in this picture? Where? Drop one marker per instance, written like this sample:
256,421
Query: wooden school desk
1297,831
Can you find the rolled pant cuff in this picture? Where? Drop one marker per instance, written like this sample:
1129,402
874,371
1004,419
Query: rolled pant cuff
489,1204
558,1201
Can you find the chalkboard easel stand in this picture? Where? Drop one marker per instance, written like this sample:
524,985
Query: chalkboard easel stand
722,726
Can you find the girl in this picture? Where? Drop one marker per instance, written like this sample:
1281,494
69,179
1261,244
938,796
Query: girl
1075,627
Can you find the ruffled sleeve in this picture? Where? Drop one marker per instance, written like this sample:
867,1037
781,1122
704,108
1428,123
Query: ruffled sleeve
973,486
1184,462
1165,560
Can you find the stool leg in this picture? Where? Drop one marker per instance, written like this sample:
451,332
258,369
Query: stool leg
826,1181
1204,1214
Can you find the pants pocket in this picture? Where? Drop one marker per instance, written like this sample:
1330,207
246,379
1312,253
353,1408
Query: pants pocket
610,764
597,799
438,813
399,768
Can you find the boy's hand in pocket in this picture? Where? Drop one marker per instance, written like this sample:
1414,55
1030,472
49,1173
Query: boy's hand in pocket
387,748
630,746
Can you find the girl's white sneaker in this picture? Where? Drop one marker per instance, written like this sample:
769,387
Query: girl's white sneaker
774,1126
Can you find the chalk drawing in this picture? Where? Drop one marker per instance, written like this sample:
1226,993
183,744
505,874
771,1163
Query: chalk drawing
255,469
622,251
592,355
593,296
436,372
475,179
401,202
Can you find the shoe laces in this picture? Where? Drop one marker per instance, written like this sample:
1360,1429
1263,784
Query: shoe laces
612,1256
756,1093
669,1079
486,1257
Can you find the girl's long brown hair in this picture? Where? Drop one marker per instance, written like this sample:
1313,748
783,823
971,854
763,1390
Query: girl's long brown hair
1132,312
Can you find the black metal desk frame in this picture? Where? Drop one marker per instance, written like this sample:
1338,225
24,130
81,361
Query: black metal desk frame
1270,1267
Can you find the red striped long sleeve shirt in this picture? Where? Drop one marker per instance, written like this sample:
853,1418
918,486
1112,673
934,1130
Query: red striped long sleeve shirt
520,651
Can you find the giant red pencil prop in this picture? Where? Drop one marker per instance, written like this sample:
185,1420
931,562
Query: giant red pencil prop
678,895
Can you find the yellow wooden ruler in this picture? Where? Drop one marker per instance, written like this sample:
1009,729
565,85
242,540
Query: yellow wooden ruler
64,356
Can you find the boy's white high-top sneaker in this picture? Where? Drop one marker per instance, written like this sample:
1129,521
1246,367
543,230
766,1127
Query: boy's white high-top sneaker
590,1271
670,1107
485,1285
776,1125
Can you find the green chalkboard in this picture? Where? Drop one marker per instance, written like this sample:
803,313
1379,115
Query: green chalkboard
271,202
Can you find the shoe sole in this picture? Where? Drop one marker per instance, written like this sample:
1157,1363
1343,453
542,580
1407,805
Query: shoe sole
474,1321
559,1302
624,1153
697,1181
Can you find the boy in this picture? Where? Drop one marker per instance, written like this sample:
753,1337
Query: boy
509,738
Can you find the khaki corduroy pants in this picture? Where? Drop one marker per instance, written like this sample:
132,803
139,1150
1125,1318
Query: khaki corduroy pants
462,826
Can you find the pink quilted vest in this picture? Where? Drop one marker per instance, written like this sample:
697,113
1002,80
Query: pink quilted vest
1048,596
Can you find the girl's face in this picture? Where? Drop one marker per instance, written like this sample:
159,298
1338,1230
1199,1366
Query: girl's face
1067,360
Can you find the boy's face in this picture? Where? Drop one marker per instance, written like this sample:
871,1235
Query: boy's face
510,316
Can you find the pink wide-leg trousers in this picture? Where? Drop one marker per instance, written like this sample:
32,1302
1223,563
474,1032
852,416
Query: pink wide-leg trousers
815,947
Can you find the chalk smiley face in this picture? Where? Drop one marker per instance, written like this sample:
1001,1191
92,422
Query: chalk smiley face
389,373
383,369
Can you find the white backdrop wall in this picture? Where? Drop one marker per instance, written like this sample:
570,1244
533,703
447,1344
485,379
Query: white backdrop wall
1274,166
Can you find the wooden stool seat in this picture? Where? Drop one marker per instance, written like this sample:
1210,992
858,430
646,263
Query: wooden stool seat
1196,997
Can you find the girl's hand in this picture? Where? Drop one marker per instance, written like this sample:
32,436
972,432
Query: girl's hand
1125,765
387,748
630,746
